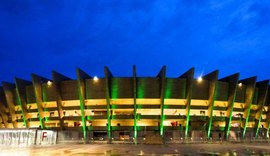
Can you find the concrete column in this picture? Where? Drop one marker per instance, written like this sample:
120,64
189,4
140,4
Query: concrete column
57,79
250,83
268,113
21,94
8,91
263,89
3,108
232,80
37,84
81,76
135,103
212,78
108,76
162,78
189,76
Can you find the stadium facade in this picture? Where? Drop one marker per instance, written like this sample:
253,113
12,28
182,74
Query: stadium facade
115,108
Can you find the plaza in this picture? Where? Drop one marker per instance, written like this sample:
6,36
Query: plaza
225,149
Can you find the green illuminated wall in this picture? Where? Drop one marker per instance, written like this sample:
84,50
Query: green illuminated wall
222,91
121,88
148,87
49,92
141,88
114,88
175,88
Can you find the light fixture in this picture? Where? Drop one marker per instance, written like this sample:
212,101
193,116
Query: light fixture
240,84
95,78
49,83
200,79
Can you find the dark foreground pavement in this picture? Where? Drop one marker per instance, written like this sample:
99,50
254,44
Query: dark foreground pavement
226,149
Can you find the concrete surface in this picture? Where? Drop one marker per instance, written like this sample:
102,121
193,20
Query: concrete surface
225,149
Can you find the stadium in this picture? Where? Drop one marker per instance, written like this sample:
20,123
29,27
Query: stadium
134,109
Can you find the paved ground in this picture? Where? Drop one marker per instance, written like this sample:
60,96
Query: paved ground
129,149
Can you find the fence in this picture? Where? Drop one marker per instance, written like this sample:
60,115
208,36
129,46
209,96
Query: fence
27,137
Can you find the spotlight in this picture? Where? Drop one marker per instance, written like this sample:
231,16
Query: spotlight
49,83
95,78
199,79
240,84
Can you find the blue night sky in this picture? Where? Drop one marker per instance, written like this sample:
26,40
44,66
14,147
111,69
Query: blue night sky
38,36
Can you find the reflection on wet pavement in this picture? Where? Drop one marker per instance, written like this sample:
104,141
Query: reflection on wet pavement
129,149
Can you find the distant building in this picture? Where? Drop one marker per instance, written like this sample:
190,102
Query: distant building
133,108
